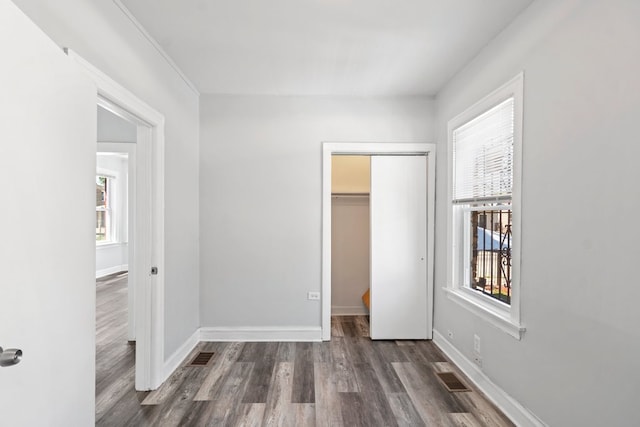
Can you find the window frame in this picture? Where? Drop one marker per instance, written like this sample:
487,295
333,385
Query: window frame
111,234
504,316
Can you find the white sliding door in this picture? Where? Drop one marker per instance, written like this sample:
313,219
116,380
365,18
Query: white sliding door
398,247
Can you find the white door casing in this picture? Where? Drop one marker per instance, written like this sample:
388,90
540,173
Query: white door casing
47,221
147,223
398,218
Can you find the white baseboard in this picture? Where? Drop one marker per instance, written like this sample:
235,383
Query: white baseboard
349,310
111,270
261,334
178,356
517,413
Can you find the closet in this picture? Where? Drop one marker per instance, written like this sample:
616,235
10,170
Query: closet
349,234
392,189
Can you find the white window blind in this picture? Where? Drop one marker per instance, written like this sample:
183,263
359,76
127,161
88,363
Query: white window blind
483,156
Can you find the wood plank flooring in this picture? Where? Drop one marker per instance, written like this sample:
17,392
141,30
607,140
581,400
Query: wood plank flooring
349,381
115,356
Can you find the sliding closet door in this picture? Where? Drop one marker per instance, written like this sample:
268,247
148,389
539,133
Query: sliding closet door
398,209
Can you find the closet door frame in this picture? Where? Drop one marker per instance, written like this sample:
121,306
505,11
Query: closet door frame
374,148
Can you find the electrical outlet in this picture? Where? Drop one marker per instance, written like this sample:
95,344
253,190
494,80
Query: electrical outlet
476,344
313,295
450,334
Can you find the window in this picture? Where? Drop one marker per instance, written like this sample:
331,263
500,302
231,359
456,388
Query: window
482,193
484,147
104,211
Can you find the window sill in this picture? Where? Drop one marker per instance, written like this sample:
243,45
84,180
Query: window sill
107,244
497,316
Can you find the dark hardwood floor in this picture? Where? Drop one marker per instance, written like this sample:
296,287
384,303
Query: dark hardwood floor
349,381
115,356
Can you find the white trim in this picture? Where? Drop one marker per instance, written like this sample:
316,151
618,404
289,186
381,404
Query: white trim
116,147
175,360
513,409
238,334
259,333
105,245
106,173
111,270
156,45
372,148
349,310
475,303
113,206
486,311
148,248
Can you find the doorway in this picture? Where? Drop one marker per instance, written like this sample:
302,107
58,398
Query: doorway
350,186
148,222
426,152
115,277
115,204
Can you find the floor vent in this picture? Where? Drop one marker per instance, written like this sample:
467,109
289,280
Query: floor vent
452,382
202,359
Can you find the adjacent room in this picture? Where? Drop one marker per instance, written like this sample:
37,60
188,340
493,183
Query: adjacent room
115,286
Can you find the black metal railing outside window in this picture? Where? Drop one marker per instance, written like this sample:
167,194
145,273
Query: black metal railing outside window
491,253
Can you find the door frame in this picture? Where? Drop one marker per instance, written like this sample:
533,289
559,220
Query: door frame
374,148
148,228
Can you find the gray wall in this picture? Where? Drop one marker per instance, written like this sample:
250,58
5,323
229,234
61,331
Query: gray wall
260,196
105,37
112,128
349,254
578,363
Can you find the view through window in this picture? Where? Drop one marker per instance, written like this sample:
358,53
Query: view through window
103,209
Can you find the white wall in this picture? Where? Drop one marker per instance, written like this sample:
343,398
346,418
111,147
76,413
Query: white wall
105,37
578,363
115,129
111,258
260,197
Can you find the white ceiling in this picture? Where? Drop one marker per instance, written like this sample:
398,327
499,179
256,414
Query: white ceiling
323,47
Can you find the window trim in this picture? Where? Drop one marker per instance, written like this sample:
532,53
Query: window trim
505,317
112,234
